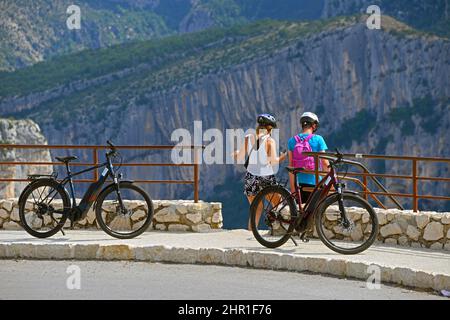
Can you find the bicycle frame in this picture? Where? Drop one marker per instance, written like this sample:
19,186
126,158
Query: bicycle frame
319,193
91,194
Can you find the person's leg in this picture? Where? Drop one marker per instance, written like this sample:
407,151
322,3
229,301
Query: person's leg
305,194
250,200
273,198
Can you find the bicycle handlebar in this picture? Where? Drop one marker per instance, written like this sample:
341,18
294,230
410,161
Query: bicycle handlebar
113,151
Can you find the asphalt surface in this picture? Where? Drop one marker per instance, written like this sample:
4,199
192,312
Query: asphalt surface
37,279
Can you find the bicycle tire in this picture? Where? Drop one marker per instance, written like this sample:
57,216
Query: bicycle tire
106,228
253,207
332,199
66,204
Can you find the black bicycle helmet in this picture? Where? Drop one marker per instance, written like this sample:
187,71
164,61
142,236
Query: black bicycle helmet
266,119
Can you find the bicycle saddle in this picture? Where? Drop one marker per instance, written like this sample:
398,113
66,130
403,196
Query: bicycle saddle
294,170
66,159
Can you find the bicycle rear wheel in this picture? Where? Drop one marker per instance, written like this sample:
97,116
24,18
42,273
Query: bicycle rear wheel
131,220
354,237
272,216
42,208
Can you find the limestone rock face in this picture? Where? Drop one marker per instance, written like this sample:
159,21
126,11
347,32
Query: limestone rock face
337,73
21,132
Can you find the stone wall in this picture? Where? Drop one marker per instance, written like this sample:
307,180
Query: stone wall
406,228
170,215
398,227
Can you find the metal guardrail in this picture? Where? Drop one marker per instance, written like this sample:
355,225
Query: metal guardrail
94,149
373,176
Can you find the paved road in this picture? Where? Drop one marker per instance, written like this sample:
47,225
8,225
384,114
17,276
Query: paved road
32,279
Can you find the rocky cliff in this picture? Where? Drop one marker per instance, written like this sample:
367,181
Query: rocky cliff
20,132
376,91
34,31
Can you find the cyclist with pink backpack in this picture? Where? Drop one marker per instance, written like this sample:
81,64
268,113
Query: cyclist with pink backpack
306,141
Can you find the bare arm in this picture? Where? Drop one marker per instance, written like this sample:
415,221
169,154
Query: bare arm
272,153
325,163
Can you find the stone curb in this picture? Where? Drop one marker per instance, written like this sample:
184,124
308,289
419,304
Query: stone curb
230,257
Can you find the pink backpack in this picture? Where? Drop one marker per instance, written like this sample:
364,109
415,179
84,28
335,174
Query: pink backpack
298,159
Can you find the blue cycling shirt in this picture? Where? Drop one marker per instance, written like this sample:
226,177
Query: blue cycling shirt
317,144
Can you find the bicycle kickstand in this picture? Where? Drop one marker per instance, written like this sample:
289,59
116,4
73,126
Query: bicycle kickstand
293,240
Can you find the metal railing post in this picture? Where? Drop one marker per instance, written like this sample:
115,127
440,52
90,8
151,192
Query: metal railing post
316,165
95,159
414,177
196,175
366,195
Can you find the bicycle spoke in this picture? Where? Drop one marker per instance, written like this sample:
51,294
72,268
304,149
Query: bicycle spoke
351,236
273,226
40,196
270,201
127,218
40,219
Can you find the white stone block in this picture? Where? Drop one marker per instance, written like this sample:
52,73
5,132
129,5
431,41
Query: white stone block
437,246
201,228
178,227
182,209
382,219
4,214
433,231
15,215
390,229
161,227
390,241
217,217
447,246
446,219
422,220
194,217
138,215
413,233
91,216
8,205
403,240
11,225
365,217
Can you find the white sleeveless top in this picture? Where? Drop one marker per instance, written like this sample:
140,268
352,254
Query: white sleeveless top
258,164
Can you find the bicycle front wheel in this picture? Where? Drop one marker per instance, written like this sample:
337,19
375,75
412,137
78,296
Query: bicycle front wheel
272,216
346,238
128,220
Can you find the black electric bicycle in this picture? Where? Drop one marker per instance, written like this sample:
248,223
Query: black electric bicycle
122,209
345,222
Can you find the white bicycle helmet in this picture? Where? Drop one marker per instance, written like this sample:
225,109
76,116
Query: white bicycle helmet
309,118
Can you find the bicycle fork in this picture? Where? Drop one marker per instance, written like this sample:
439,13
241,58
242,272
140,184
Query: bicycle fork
119,196
342,211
